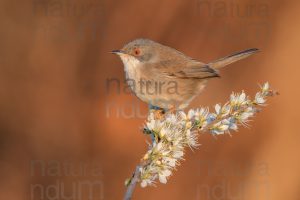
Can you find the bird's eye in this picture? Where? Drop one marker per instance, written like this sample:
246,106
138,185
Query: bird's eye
137,52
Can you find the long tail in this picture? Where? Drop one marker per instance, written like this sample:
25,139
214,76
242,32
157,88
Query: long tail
232,58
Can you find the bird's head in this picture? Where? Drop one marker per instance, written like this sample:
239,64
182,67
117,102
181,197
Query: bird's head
139,51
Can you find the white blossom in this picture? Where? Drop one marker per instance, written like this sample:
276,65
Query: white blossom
218,109
238,99
259,98
265,87
177,131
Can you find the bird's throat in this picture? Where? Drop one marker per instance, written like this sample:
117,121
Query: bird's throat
131,66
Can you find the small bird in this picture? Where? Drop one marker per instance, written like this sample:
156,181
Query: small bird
165,78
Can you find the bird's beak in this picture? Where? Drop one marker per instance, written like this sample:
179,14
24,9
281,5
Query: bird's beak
118,52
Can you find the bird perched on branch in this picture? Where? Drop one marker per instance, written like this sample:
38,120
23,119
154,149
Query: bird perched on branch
166,78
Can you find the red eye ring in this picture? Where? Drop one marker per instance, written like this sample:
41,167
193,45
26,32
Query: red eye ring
137,52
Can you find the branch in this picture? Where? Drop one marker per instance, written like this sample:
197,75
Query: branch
172,133
132,183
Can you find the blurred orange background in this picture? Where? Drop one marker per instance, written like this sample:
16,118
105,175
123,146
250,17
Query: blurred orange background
56,110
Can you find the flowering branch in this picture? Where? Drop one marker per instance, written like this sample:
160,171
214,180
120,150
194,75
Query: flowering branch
174,132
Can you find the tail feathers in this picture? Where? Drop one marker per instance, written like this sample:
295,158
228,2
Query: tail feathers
232,58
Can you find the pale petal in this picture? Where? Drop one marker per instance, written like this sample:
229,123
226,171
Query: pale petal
266,87
217,108
259,98
224,127
144,183
166,173
242,97
191,114
233,126
244,116
182,115
162,179
178,154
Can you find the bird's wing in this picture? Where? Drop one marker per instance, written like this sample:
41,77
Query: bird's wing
190,69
